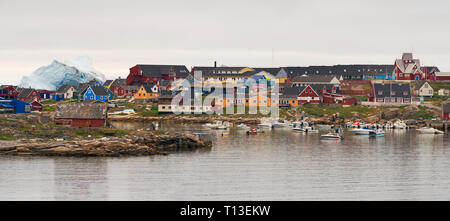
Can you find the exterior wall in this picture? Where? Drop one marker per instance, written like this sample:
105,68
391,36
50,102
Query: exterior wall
288,102
259,101
308,95
88,122
445,116
168,108
142,94
9,92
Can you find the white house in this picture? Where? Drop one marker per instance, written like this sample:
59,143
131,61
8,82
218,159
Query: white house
423,89
67,91
444,92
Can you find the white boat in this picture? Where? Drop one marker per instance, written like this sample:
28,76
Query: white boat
334,136
218,125
400,125
265,124
280,123
429,130
243,126
361,131
378,133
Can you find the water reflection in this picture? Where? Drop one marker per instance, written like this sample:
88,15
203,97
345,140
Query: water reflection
280,164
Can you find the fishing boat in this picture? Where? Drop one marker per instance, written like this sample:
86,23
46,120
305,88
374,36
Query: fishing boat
429,130
334,136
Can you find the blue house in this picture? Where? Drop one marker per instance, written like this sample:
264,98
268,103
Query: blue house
57,97
15,106
96,93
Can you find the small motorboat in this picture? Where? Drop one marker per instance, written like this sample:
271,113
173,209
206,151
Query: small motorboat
429,130
362,131
306,129
280,123
334,136
243,127
377,133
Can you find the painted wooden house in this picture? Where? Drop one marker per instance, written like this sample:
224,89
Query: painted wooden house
446,111
8,92
309,95
116,84
96,93
36,106
393,93
66,91
81,114
46,94
423,89
144,74
127,90
147,92
315,79
442,76
29,95
409,69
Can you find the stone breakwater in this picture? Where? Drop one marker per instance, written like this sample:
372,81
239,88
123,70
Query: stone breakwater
138,144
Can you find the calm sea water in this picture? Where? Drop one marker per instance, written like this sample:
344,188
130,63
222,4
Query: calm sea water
278,165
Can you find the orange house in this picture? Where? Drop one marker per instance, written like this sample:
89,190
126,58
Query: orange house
147,92
260,101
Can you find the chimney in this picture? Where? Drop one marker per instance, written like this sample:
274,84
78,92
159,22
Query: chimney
215,64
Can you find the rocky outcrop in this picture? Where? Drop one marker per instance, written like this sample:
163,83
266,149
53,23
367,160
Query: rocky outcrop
138,144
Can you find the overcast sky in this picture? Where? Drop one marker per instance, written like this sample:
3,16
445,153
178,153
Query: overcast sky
119,34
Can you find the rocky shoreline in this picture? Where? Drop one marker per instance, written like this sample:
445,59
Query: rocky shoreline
186,119
137,144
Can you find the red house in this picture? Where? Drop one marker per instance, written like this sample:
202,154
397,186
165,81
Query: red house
309,95
81,114
144,74
408,69
446,111
8,92
29,95
127,90
442,76
36,106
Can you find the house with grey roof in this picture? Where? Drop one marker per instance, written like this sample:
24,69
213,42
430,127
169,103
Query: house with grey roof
66,91
315,79
81,114
423,89
392,93
144,74
96,93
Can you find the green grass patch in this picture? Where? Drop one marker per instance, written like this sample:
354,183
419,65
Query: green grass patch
7,136
345,112
47,108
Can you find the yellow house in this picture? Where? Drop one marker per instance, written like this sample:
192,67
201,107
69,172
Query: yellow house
147,92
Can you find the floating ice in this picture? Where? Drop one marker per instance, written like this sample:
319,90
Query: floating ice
53,76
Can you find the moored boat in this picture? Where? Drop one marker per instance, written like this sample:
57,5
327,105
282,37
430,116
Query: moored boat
429,130
334,136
